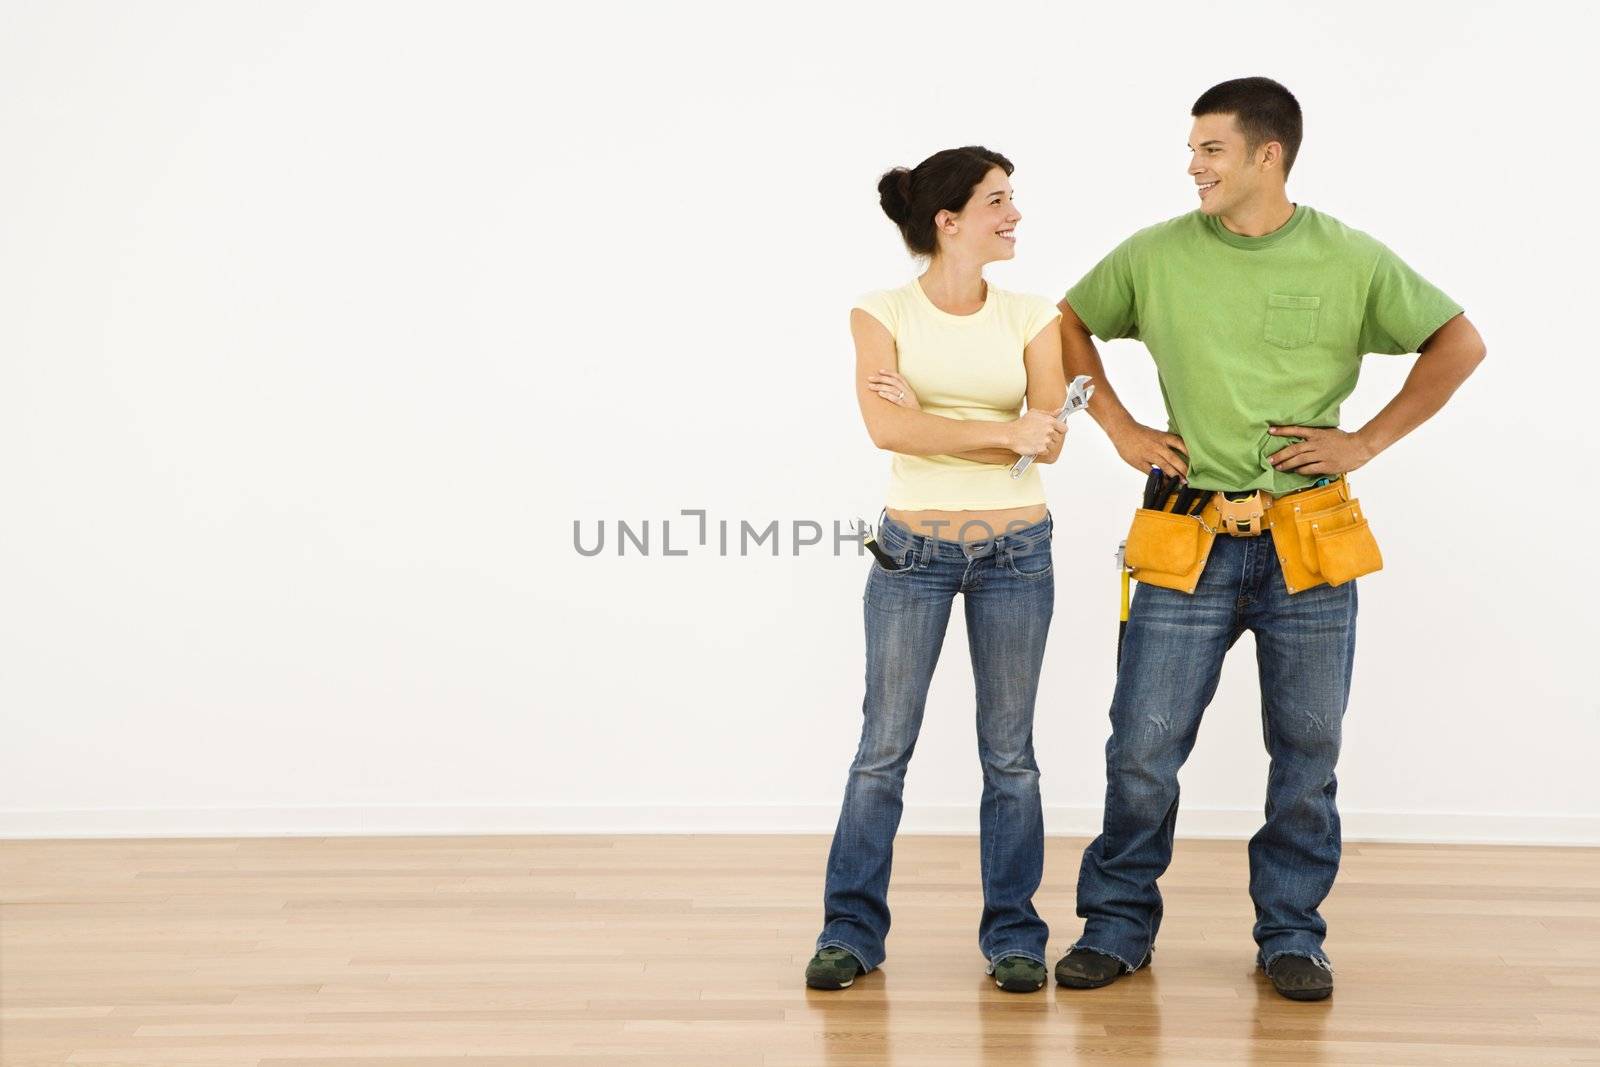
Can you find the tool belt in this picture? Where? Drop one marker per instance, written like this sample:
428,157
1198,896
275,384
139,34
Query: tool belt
1320,535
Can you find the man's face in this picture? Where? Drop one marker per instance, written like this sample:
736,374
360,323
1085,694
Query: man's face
1225,171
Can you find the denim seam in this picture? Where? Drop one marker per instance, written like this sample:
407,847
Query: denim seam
986,841
1007,561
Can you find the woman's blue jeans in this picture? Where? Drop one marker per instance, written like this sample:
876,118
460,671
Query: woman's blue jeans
1171,659
1008,592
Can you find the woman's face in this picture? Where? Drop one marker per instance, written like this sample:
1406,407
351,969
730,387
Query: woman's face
984,228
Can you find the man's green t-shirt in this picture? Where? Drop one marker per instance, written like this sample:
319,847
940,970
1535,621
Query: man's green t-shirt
1253,332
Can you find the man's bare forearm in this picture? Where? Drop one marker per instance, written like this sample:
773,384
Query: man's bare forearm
1448,358
1079,356
1141,447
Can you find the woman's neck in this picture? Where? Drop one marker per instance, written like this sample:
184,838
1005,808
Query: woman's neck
954,286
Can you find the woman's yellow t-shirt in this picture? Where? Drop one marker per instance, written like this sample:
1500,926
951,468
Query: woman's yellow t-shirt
962,367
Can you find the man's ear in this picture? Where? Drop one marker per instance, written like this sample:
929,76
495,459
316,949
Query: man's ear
1271,154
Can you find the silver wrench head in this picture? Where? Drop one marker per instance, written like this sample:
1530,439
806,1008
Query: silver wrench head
1078,394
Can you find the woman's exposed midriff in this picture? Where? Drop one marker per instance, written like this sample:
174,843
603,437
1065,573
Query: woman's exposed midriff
968,525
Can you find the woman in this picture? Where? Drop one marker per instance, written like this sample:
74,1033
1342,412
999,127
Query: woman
943,365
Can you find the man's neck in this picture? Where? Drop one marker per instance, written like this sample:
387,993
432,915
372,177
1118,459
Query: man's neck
1260,217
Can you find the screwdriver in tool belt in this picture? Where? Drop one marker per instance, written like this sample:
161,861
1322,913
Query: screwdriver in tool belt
1188,497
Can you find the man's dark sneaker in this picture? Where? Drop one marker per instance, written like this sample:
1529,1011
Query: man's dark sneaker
1084,968
832,968
1018,974
1301,978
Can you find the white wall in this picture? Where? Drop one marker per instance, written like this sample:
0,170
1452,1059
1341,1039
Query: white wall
322,323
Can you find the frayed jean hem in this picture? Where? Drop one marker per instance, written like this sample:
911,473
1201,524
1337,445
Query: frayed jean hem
1127,968
1022,952
861,959
1319,960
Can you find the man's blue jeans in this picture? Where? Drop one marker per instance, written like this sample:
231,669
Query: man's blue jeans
1008,589
1171,659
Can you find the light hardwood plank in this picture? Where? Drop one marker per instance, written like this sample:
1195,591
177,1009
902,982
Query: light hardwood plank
665,950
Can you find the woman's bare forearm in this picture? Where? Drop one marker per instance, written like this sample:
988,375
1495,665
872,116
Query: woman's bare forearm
988,455
918,433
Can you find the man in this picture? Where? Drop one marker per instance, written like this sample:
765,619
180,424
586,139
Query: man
1257,312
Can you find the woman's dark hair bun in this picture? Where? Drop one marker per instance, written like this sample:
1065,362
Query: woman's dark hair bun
945,181
894,193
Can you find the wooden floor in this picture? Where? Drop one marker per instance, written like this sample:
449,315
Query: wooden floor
689,950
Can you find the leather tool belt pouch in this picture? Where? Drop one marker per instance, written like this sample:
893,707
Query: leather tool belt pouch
1322,536
1168,550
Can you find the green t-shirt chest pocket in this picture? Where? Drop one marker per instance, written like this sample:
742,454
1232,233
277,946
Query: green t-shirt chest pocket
1291,320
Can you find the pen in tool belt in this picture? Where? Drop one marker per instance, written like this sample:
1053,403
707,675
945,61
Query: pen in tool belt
1152,485
1158,489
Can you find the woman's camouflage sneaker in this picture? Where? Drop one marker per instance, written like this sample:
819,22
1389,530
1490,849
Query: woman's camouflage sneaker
832,968
1019,974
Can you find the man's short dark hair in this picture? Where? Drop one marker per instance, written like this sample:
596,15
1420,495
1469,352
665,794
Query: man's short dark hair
1264,110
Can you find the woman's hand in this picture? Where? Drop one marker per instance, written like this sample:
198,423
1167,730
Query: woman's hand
1036,433
894,389
1053,453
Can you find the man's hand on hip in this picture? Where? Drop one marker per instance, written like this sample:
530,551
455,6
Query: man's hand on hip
1328,450
1143,447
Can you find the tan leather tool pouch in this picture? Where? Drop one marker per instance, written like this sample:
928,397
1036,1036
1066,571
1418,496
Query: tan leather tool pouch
1321,535
1346,550
1168,550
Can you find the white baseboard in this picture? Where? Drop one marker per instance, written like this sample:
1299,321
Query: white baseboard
1418,827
